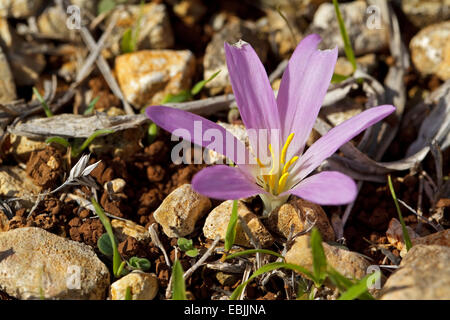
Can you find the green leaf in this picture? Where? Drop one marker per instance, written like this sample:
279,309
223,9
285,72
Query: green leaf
91,106
128,295
58,140
267,268
200,85
347,45
105,6
107,224
319,258
177,98
104,245
153,131
337,78
44,104
230,236
341,282
76,152
178,285
192,253
185,244
253,251
359,289
127,44
406,237
140,263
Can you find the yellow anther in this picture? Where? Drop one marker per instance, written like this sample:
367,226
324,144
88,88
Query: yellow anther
288,164
272,181
282,182
260,163
273,160
285,147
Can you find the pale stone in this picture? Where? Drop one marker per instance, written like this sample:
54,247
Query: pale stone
365,63
143,286
4,222
155,31
237,130
350,264
180,211
430,50
190,11
123,229
216,224
45,265
424,274
441,238
7,85
53,23
19,9
116,185
425,12
214,59
296,213
365,36
15,183
146,77
22,147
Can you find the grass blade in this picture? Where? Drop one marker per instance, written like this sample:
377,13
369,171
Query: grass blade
178,285
58,140
347,45
359,289
44,104
267,268
319,258
89,140
128,295
230,236
107,224
406,237
252,251
91,106
200,85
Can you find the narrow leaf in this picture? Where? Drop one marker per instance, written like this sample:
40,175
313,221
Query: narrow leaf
91,106
230,236
128,295
58,140
200,85
347,45
44,104
89,140
319,258
359,289
406,237
178,285
177,98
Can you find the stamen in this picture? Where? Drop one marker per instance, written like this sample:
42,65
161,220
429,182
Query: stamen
261,165
273,160
285,147
287,165
282,181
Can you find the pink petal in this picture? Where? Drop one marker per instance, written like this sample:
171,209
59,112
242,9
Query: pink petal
251,87
336,137
302,90
327,188
171,119
224,183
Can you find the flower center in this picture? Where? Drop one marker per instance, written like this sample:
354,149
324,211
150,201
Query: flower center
275,181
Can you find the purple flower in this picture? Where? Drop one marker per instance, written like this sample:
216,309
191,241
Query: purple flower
281,168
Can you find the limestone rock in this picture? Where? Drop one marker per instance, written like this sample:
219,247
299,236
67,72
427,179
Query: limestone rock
43,264
424,274
180,210
190,11
441,238
217,222
22,147
146,77
214,59
4,222
350,264
365,36
155,31
15,183
425,12
296,213
53,23
7,85
19,9
123,229
144,286
430,50
394,234
116,185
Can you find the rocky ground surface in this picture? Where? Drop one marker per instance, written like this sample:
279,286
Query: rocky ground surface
48,238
